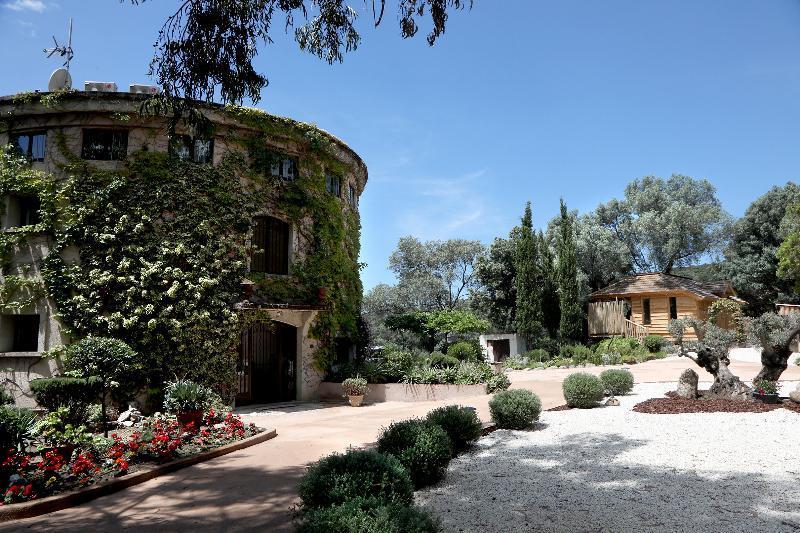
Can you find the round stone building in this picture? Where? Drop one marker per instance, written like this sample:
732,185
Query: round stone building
227,244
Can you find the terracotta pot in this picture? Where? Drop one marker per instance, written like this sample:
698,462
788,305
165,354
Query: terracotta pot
355,401
185,418
322,293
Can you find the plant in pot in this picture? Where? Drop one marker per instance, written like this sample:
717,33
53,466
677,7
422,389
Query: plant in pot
187,400
765,390
355,389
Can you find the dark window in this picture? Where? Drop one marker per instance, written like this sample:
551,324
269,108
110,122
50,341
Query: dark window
283,167
31,145
190,149
352,196
105,145
646,310
29,207
333,184
673,307
270,246
25,333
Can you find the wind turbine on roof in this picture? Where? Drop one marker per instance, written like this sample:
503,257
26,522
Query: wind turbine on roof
60,79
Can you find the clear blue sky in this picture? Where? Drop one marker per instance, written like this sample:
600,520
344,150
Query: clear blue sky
520,100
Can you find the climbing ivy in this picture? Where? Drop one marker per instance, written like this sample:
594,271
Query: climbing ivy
155,253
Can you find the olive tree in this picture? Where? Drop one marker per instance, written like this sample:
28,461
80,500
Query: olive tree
111,361
774,334
710,352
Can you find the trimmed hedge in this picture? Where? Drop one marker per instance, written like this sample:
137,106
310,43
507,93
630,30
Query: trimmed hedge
616,381
654,343
582,390
367,516
460,423
421,446
76,394
338,478
440,360
515,409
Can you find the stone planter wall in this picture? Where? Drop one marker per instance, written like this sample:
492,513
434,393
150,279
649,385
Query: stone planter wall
403,392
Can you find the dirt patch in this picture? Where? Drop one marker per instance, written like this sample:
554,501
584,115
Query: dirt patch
673,404
564,407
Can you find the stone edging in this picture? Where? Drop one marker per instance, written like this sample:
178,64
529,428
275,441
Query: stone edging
70,499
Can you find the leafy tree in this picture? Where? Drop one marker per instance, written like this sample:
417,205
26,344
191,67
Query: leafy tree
432,326
753,257
789,252
774,334
571,320
207,47
548,278
496,295
435,275
529,290
111,361
667,223
602,258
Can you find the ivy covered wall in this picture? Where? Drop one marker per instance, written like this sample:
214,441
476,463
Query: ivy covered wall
153,250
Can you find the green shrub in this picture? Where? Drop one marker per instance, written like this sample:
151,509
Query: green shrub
516,362
497,382
538,355
422,447
440,360
460,423
185,395
617,345
549,345
356,386
566,351
464,351
396,362
515,409
337,478
616,381
367,516
16,426
582,354
654,343
6,398
76,394
582,390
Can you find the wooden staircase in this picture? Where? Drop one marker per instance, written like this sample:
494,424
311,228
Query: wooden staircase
632,329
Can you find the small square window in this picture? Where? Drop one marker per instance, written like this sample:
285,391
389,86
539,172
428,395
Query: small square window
25,333
31,145
284,167
104,145
333,184
187,148
352,196
29,207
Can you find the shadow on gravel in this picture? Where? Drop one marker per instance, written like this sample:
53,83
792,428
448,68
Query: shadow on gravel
577,485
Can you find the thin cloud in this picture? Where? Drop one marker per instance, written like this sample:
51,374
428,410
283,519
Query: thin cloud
26,5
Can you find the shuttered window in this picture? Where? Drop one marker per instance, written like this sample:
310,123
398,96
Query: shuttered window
270,246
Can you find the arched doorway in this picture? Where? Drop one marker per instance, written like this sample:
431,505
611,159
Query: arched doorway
267,366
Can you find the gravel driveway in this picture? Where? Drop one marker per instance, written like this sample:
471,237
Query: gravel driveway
610,469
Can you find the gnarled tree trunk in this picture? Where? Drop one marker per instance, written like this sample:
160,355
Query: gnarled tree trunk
725,385
775,357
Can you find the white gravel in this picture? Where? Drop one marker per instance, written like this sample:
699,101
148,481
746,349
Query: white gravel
611,469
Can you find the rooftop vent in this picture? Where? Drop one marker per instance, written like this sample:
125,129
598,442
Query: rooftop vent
145,89
100,86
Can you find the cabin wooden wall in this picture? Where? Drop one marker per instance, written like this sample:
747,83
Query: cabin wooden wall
607,318
659,312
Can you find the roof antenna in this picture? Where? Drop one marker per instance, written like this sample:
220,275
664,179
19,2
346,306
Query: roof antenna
60,79
63,51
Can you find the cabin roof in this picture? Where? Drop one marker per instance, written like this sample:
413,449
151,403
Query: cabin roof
656,282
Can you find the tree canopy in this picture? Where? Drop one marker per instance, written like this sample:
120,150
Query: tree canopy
206,48
529,287
496,276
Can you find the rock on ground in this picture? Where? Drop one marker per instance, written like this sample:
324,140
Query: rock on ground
687,384
611,469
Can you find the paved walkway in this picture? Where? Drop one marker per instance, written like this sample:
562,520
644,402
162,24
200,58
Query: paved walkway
253,489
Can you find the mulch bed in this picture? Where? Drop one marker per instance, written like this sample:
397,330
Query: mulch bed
564,407
673,404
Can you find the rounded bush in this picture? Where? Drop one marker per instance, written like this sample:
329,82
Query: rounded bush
583,390
654,343
464,351
367,516
337,478
515,409
440,360
76,394
460,423
616,381
422,447
497,382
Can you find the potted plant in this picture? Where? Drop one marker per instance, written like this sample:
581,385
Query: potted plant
187,400
766,390
355,389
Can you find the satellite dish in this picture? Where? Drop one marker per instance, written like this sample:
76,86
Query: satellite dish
59,80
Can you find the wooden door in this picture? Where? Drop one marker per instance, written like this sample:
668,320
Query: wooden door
268,357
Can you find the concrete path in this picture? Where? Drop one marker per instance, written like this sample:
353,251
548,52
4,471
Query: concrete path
254,489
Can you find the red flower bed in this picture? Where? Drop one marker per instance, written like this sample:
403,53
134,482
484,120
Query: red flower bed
35,475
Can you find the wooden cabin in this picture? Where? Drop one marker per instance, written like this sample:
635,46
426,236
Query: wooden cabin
643,304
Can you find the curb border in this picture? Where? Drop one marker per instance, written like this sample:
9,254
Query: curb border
65,500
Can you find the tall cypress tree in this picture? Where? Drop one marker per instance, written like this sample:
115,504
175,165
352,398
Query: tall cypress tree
548,276
529,293
571,324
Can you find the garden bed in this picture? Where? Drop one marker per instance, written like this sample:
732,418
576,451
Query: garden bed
673,404
404,392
